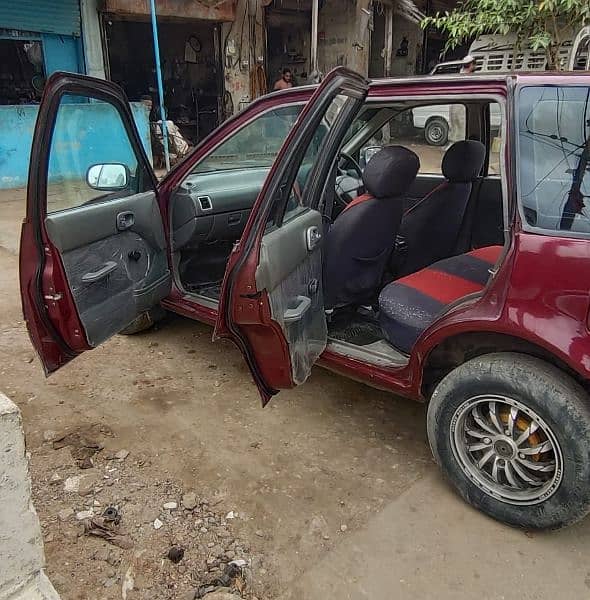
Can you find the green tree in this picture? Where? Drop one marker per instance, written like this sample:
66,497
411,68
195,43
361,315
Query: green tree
541,23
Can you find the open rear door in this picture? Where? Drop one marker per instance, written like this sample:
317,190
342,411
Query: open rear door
93,250
271,299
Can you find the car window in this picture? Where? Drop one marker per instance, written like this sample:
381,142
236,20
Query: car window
85,164
427,130
296,202
554,153
495,137
255,145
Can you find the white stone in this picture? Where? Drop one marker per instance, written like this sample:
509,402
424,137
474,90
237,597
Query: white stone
72,484
158,524
171,506
84,514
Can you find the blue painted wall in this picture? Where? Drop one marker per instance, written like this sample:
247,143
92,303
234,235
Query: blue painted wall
86,134
62,53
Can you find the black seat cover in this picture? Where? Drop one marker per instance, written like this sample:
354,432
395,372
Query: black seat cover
430,230
359,243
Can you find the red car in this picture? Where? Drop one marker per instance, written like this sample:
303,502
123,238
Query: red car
316,226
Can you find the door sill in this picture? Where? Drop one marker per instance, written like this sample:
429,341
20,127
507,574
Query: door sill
202,300
379,353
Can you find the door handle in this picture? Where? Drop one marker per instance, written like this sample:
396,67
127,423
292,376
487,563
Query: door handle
101,273
313,237
125,220
296,313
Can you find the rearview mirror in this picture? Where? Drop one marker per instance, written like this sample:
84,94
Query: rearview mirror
108,177
367,154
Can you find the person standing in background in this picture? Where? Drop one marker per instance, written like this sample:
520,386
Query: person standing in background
468,65
285,82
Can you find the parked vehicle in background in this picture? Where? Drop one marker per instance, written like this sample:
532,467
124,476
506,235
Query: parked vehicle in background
580,56
436,122
306,232
496,53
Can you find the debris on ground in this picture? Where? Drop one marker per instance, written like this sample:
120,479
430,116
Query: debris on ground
84,514
175,554
189,501
111,514
232,580
83,443
64,514
143,534
122,454
106,527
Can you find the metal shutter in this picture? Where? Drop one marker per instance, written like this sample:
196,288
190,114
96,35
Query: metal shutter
46,16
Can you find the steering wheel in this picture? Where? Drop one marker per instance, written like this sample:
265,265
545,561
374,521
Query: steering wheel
343,159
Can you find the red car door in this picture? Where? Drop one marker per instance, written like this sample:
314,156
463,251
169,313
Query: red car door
93,252
271,299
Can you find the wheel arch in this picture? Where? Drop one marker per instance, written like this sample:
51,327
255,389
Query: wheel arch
456,349
436,118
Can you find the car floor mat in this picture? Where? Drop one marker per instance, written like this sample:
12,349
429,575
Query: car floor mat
355,328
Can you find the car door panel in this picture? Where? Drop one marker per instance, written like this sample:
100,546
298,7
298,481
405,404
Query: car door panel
113,275
288,272
93,246
271,305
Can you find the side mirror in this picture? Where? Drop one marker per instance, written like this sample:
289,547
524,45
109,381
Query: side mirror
108,177
367,154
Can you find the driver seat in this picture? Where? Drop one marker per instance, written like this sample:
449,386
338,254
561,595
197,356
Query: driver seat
360,242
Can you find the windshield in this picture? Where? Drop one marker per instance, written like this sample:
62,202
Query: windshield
256,145
554,156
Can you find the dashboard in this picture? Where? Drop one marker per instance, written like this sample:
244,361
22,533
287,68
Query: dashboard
214,206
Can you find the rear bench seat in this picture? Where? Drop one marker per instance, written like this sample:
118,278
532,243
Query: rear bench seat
408,306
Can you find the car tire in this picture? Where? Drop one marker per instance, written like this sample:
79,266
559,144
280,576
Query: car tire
531,399
144,321
436,132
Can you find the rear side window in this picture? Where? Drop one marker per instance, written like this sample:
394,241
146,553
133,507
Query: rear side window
427,130
554,157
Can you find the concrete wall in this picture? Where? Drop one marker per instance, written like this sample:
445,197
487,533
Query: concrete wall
92,41
238,65
406,65
187,9
85,136
343,41
21,546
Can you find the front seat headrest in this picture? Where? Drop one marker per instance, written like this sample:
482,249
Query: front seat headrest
463,161
390,172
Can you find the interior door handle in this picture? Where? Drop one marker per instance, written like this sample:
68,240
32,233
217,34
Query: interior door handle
313,237
101,273
125,220
296,314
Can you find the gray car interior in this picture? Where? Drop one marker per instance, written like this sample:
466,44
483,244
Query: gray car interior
117,267
209,212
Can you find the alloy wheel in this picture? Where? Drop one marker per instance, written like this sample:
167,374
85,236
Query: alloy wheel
506,449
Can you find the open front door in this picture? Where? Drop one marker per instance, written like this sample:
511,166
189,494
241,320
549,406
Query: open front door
93,250
271,299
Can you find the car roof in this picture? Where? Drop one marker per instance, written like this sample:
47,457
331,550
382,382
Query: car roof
524,77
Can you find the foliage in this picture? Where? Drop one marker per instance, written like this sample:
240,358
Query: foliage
541,23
